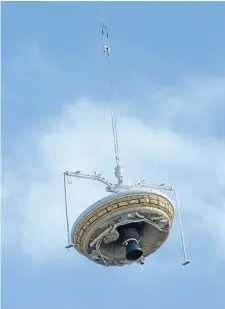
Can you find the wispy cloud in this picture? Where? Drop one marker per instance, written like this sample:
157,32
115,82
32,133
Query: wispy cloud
80,139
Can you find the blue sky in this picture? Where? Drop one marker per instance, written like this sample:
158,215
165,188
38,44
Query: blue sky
169,83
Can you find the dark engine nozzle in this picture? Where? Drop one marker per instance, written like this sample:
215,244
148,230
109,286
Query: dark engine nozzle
133,252
130,238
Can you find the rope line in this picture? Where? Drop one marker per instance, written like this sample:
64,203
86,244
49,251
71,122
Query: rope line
108,70
66,209
180,225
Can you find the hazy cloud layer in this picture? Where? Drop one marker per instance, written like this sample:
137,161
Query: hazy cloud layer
163,150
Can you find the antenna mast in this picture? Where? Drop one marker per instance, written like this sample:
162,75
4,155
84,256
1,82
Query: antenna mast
107,56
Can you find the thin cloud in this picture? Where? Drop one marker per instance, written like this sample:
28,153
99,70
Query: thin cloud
81,139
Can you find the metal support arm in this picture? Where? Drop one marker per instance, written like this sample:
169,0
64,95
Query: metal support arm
152,185
95,176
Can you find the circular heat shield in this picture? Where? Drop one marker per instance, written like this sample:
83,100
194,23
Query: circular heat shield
96,233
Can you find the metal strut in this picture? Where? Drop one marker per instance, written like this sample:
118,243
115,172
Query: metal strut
66,210
108,70
186,261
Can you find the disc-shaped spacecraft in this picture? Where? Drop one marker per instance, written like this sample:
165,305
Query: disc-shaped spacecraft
124,227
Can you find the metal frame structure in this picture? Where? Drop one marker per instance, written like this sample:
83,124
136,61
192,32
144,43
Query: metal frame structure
115,188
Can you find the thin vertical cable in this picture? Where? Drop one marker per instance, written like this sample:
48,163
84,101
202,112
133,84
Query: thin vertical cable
108,69
66,209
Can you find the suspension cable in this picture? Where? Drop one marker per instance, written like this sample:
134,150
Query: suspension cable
108,69
186,261
66,208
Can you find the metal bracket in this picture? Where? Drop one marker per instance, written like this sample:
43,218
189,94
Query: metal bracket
162,186
95,176
69,246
